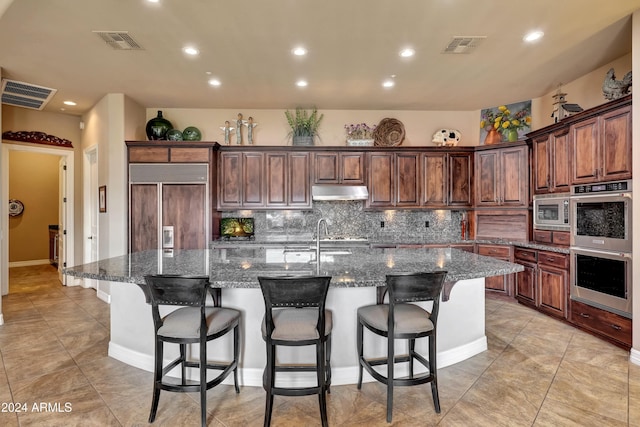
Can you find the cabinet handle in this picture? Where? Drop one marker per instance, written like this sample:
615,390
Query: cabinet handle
616,327
585,315
551,259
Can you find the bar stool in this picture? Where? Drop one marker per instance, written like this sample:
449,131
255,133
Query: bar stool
400,319
193,323
295,315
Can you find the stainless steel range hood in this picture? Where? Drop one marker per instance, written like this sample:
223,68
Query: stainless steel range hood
339,192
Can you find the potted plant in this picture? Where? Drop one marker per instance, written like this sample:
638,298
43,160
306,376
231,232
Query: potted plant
304,125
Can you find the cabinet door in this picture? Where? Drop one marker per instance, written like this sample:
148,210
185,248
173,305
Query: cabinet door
541,152
487,181
352,168
381,180
514,177
407,179
326,169
560,162
460,173
584,151
184,209
526,283
230,180
615,140
299,182
143,217
276,179
253,180
497,283
552,284
434,184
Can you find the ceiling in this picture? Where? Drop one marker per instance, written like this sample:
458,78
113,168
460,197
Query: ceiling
352,47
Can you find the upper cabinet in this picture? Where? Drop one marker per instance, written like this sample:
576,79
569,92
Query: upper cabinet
591,146
446,179
338,167
601,147
551,162
502,177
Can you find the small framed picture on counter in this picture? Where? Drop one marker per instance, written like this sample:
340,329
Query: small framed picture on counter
102,198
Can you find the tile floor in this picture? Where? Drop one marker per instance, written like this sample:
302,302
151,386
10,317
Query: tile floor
55,371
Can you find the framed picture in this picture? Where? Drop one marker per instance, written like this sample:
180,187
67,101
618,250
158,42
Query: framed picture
506,123
102,198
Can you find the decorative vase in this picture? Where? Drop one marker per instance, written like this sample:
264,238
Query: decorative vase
191,133
512,135
302,140
493,137
360,142
158,127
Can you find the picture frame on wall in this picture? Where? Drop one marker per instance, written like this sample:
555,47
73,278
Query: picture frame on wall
102,198
506,123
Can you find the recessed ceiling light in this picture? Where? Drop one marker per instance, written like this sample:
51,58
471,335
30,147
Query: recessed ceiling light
214,82
533,36
299,51
69,103
407,53
153,1
190,50
388,83
302,83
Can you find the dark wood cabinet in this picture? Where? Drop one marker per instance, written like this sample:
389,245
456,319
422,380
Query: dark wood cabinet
601,147
394,179
407,179
503,283
605,324
241,180
502,177
333,167
287,183
446,179
551,163
544,282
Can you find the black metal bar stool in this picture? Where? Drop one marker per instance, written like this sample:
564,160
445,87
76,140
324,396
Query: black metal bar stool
295,315
193,323
400,319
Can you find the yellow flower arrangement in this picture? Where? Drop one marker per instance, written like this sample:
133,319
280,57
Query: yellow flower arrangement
504,121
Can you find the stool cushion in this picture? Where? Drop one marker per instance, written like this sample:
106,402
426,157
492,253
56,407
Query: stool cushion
297,324
409,318
185,322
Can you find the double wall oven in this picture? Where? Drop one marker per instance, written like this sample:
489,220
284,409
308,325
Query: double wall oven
601,240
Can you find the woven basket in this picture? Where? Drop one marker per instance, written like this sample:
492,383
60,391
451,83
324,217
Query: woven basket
388,133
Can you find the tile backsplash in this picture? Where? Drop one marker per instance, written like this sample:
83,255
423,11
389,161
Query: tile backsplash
349,219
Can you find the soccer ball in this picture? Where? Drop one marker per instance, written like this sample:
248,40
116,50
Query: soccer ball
448,137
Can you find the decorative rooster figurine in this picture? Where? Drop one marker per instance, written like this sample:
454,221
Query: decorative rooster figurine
614,89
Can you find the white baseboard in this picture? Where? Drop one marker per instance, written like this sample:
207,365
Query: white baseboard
103,296
29,263
634,356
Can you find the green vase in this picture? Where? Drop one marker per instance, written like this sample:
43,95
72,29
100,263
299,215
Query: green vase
158,127
512,135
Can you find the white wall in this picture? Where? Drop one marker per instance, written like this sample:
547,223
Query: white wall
635,350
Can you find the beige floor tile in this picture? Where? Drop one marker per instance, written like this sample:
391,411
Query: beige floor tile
554,414
37,360
42,388
586,348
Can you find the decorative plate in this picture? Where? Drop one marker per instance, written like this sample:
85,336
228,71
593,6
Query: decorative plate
15,207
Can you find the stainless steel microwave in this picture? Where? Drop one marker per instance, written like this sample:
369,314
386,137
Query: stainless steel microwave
551,212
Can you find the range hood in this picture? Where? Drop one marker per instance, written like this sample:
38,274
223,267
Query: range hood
339,192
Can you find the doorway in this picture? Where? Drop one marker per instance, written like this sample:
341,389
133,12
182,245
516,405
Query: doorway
66,204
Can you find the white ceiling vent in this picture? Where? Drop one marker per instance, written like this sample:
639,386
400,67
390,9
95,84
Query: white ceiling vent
119,40
463,44
20,94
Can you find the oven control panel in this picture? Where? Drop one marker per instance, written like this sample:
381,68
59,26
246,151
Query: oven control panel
604,187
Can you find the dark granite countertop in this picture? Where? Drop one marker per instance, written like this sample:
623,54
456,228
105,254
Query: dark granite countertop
240,267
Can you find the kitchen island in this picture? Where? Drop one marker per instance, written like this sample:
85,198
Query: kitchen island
357,273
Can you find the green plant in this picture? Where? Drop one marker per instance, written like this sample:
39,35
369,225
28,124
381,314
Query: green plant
302,123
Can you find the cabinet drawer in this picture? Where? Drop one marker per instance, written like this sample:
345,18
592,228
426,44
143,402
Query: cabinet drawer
561,238
553,259
542,236
148,154
601,321
186,155
494,251
524,254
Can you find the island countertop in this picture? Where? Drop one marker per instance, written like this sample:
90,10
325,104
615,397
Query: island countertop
240,267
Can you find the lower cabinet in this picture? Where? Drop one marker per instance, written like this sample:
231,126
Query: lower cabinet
503,284
610,326
544,282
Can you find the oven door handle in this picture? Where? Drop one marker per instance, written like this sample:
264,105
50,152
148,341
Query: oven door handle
578,197
626,255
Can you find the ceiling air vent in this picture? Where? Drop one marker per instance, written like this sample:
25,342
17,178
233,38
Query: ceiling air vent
119,40
25,95
463,44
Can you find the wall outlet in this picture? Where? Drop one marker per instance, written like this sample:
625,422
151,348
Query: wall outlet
381,224
426,224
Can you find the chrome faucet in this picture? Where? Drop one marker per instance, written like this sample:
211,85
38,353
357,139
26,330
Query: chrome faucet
326,232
